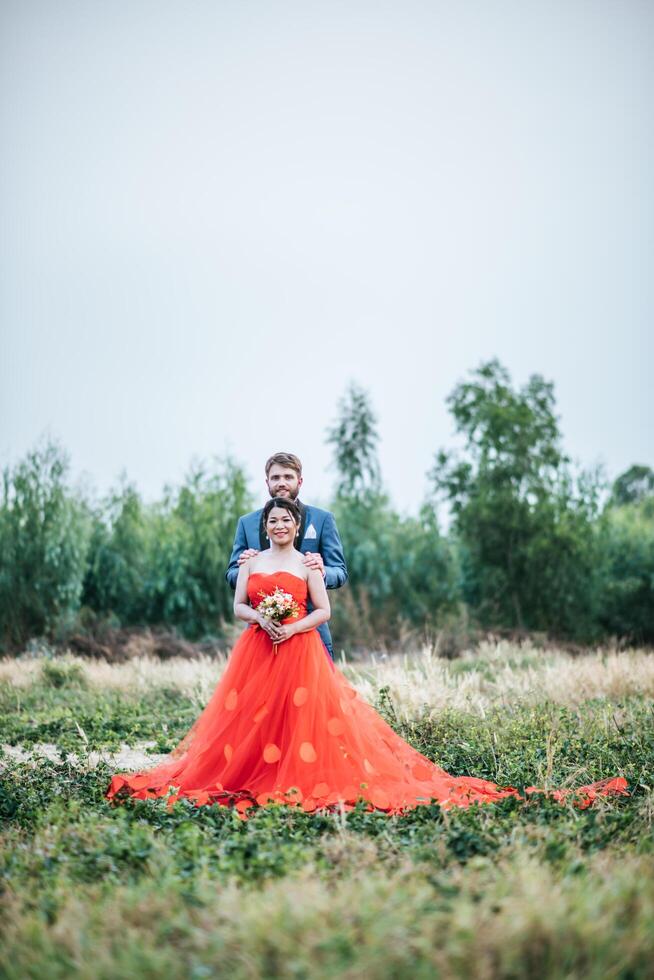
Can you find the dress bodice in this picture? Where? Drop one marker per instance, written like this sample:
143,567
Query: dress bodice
267,582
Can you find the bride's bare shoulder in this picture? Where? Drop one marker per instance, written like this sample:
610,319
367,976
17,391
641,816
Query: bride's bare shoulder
300,569
254,564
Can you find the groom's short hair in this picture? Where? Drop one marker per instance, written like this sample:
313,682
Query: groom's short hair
284,459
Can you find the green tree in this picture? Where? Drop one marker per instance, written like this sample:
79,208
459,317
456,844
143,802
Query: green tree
524,527
401,574
632,486
354,439
191,543
627,601
118,559
44,534
164,564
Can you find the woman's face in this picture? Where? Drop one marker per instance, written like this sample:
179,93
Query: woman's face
280,526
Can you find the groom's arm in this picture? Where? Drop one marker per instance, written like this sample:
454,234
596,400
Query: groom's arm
332,554
240,544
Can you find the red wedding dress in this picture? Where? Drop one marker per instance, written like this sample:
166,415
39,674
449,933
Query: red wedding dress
288,727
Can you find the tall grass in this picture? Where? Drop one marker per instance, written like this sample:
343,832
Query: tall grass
509,890
513,916
495,672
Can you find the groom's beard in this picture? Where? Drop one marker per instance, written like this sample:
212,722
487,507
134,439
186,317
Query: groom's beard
290,495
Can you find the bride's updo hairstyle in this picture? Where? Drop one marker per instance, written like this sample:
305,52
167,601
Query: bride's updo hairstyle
287,504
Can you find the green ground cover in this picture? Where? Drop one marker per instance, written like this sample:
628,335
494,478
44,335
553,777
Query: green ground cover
509,889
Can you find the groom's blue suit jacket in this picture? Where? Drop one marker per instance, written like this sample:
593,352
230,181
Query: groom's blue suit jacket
319,533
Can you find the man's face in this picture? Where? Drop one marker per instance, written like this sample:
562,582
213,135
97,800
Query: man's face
282,481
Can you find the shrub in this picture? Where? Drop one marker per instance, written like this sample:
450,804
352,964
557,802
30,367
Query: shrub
44,534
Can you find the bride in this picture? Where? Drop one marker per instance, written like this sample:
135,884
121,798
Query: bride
283,724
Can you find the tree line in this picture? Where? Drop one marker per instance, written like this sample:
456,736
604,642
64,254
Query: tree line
533,544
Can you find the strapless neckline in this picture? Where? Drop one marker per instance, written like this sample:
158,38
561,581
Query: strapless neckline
280,571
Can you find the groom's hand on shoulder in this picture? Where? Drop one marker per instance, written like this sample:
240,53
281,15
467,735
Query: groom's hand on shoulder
246,555
312,559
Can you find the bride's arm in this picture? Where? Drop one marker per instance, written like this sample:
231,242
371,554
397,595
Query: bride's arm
321,611
242,608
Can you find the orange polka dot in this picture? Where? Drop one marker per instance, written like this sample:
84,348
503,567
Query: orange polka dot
265,798
229,752
243,805
367,766
231,700
261,713
300,697
350,793
421,771
307,752
320,789
271,753
335,726
379,799
309,805
294,794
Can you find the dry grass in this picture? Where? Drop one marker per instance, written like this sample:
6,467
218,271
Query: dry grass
193,678
505,673
420,684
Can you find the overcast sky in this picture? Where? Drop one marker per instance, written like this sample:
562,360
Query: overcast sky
215,214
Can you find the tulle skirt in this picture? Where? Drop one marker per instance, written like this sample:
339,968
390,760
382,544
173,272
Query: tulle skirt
287,727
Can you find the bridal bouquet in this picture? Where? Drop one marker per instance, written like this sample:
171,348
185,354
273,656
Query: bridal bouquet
278,605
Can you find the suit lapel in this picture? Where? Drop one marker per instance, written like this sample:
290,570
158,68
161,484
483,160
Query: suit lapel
304,510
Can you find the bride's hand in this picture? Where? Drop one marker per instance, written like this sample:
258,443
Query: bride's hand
271,628
285,632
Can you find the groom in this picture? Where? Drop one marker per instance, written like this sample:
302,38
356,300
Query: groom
319,539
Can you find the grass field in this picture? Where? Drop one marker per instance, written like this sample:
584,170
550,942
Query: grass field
504,890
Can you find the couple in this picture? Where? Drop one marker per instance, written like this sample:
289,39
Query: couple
283,724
